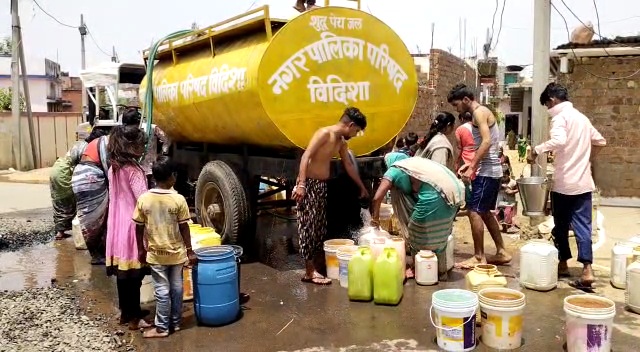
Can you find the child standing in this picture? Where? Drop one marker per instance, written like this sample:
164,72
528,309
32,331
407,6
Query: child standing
164,214
507,204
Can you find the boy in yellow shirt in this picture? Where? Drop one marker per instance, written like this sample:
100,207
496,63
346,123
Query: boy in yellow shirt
164,214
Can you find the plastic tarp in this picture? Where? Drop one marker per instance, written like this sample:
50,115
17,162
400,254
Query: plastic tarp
102,75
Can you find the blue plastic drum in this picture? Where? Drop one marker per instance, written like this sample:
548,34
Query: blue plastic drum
215,286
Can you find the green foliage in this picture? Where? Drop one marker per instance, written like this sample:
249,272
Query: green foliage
496,112
5,100
5,46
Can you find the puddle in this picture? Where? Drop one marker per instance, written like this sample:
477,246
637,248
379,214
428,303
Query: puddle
28,268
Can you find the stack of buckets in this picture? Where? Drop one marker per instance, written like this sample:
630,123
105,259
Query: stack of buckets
453,314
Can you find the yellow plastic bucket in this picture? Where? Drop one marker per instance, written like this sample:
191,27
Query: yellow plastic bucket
331,256
187,284
205,237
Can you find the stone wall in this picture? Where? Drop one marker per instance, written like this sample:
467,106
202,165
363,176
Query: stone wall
445,71
614,109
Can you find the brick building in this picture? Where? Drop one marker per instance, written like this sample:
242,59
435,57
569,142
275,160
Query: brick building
71,93
438,72
605,86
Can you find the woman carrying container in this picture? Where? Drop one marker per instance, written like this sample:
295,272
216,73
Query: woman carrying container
437,145
127,182
425,196
90,187
62,198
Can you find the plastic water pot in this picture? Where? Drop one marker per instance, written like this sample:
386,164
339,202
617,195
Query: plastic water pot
215,281
539,265
360,277
388,278
76,232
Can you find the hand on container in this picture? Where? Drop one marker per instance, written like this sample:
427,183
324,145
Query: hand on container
466,172
192,257
364,194
299,192
531,155
375,223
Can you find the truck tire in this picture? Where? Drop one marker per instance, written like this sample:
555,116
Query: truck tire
221,201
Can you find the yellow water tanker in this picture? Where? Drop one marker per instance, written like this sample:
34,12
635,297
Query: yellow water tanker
254,80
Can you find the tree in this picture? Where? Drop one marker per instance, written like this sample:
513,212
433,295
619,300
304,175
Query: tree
5,46
6,95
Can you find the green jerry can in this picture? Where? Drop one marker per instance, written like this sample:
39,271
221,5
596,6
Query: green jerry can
360,275
387,278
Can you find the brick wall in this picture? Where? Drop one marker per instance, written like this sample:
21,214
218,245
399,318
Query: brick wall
445,71
614,109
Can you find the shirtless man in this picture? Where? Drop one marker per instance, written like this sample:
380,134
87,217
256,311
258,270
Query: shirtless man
311,186
311,4
487,170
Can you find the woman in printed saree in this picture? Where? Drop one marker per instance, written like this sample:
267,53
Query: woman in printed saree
426,196
62,198
90,187
437,145
127,182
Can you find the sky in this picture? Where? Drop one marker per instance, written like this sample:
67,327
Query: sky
131,25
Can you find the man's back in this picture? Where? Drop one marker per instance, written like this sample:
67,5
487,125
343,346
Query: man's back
161,211
572,135
490,165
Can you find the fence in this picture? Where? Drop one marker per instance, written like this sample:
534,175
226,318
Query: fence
55,134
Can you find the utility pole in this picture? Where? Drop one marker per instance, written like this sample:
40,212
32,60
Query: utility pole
114,55
15,90
83,63
541,53
27,96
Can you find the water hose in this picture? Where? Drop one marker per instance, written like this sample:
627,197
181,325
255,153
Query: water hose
148,94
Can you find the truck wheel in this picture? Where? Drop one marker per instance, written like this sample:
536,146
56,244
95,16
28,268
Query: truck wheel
221,202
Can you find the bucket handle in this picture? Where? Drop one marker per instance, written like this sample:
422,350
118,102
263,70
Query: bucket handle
447,329
531,168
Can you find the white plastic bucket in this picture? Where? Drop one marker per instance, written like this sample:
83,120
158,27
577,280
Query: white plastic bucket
344,255
331,257
501,310
453,314
147,292
589,323
76,232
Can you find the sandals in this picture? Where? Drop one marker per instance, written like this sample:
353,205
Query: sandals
585,286
317,280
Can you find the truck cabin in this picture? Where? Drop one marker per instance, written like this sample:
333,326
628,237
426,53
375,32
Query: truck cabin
111,89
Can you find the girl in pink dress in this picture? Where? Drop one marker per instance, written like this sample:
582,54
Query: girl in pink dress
127,182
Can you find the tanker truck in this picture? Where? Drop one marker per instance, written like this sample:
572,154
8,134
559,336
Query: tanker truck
241,99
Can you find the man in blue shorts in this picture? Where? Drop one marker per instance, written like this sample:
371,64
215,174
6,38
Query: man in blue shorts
487,167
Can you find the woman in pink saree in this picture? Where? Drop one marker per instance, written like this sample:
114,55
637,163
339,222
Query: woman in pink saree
127,182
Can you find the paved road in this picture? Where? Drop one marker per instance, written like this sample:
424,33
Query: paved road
22,196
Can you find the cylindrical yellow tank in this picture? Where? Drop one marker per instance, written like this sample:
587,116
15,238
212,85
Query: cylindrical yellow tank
275,91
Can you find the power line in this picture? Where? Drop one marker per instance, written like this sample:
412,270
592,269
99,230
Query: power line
96,43
53,17
493,22
70,26
576,56
563,29
504,4
598,18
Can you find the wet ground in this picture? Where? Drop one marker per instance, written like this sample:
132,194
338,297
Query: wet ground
286,315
